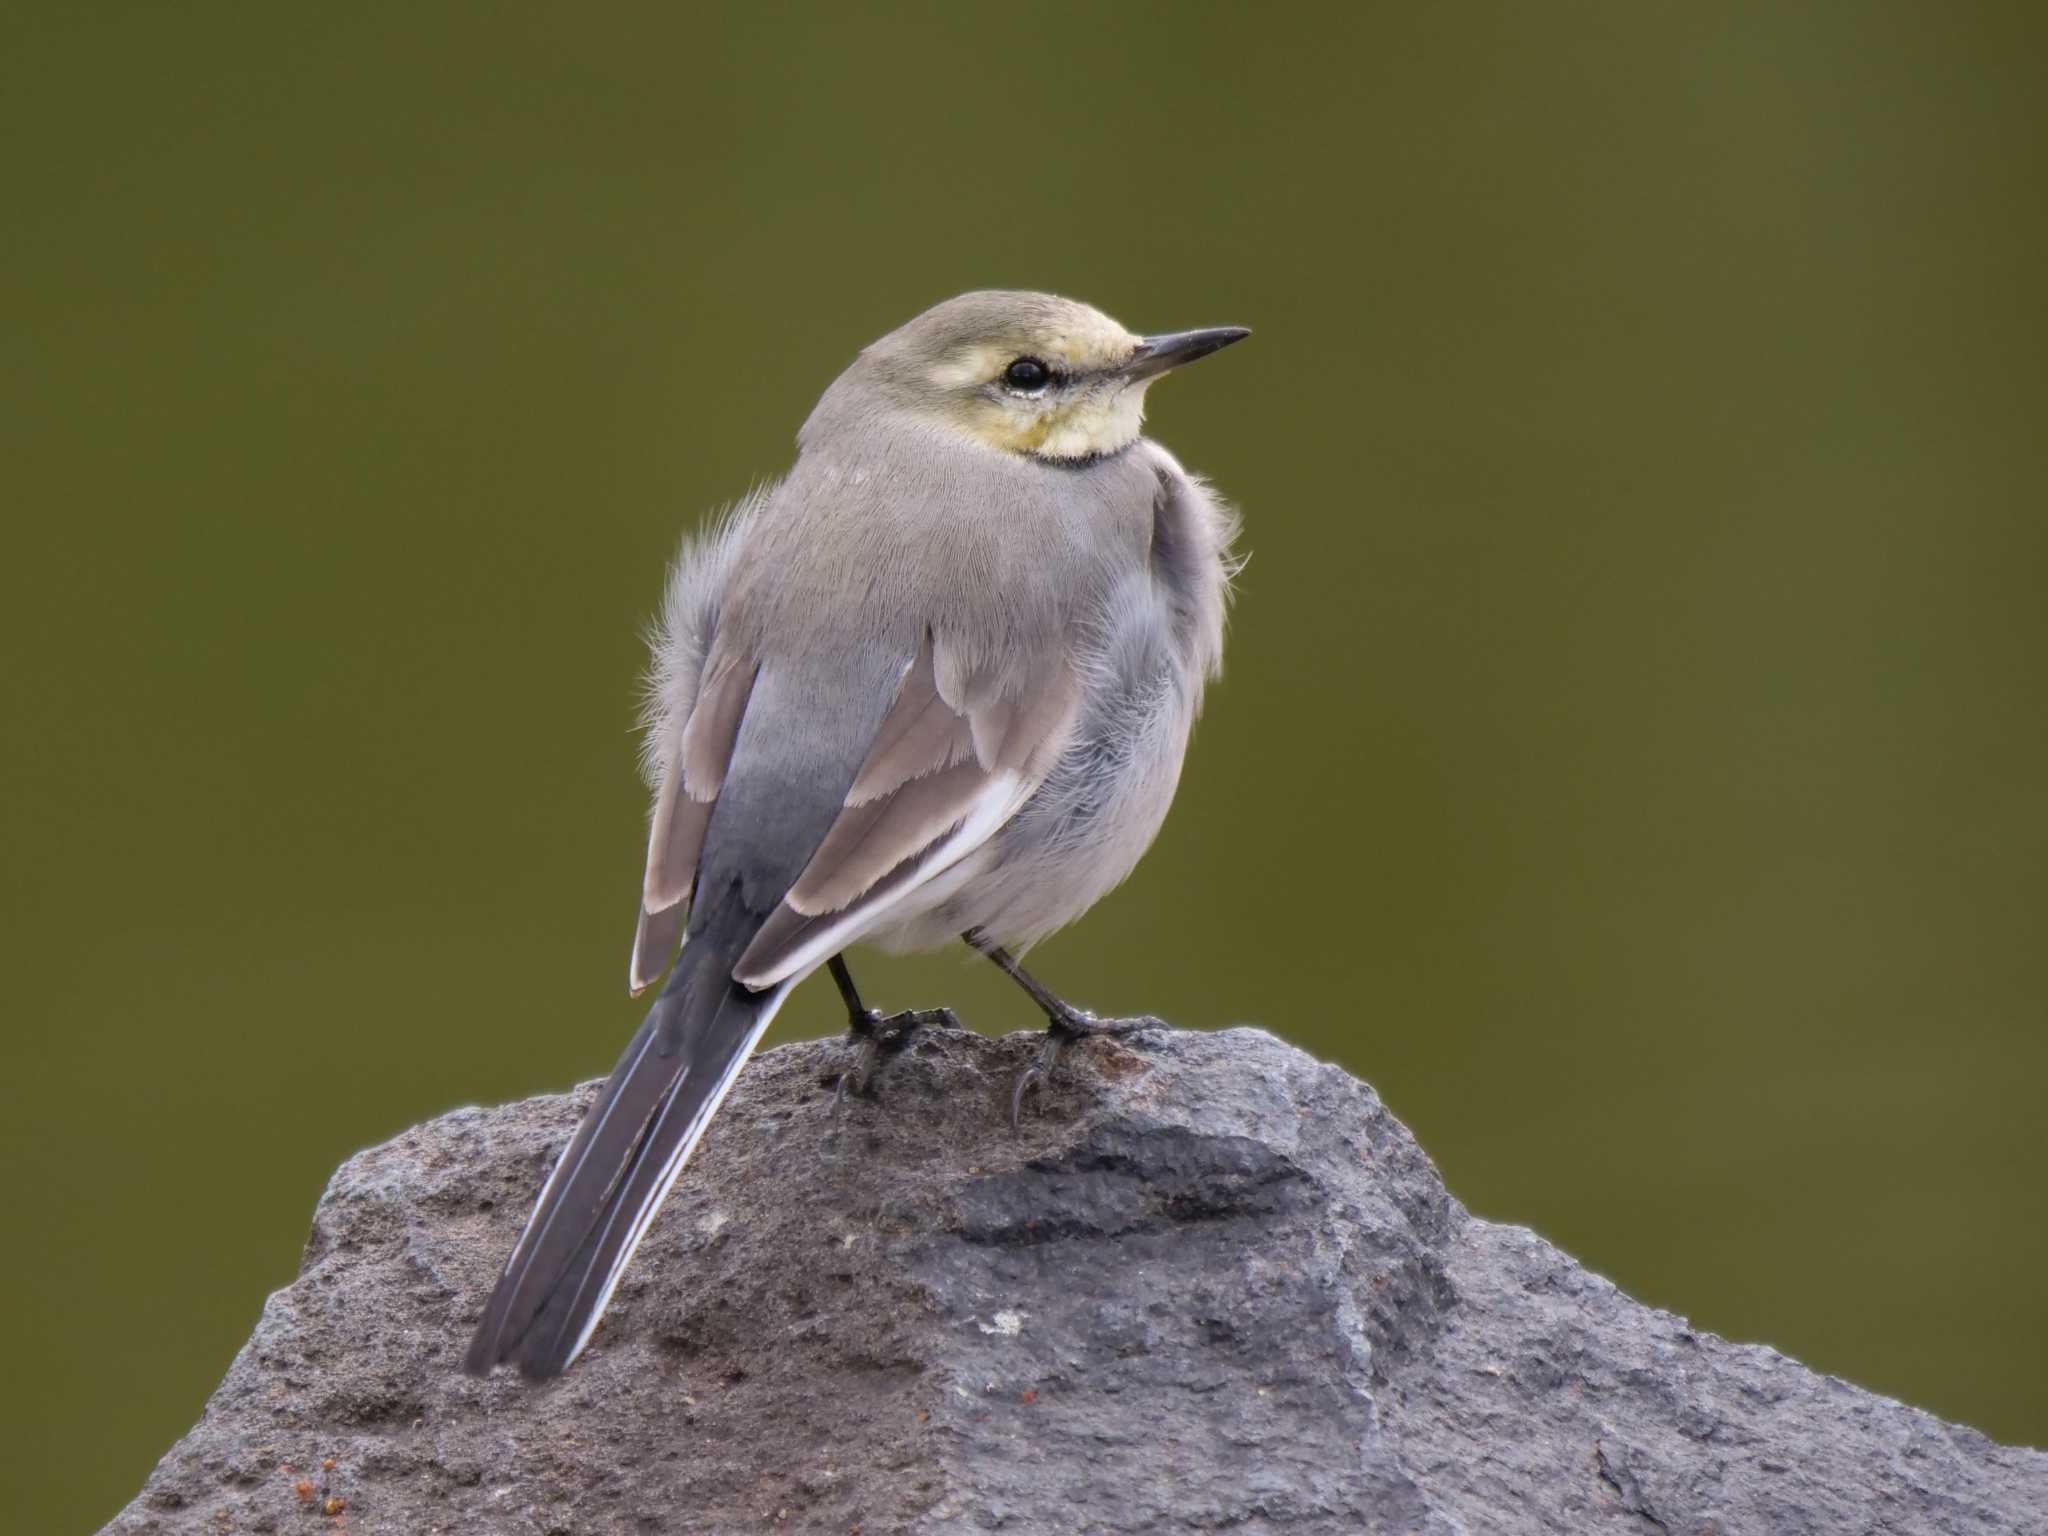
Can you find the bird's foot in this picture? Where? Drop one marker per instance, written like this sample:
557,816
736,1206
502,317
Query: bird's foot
1063,1028
882,1037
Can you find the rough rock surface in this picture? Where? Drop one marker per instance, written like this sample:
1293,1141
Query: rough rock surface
1213,1285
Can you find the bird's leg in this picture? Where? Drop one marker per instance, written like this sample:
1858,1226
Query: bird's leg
1064,1022
880,1035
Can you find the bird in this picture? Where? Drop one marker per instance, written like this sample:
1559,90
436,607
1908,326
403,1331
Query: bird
935,683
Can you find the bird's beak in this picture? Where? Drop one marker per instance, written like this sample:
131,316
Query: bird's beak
1156,354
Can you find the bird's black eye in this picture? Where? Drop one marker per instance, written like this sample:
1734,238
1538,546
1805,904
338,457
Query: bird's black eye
1027,373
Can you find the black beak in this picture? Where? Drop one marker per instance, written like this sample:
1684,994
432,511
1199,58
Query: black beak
1156,354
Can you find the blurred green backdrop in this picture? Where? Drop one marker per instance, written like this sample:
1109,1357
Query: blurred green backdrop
1642,460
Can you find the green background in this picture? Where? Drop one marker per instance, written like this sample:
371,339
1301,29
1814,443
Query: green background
1632,757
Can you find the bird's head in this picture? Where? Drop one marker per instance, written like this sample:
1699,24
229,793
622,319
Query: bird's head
1029,373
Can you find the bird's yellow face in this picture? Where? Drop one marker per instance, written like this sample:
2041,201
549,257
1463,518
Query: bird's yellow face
1051,391
1027,373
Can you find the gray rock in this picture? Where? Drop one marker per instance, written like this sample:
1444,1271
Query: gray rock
1213,1285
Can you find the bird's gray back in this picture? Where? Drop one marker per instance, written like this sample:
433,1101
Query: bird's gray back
907,527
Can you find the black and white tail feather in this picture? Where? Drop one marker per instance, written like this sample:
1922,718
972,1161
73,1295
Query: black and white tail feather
618,1168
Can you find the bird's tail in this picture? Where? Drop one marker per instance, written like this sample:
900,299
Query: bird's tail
619,1166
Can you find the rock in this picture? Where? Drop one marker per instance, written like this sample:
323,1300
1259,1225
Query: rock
1212,1285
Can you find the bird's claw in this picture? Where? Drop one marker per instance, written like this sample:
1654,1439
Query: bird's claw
1027,1080
1072,1026
882,1036
855,1078
1063,1030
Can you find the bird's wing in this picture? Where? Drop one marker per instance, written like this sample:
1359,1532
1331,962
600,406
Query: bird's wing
949,764
690,781
686,761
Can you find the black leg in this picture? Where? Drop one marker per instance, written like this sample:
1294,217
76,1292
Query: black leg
880,1035
1065,1018
1065,1023
859,1017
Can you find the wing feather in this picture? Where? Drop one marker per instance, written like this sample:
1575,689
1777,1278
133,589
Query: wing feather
655,938
937,782
690,782
872,838
790,943
921,734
